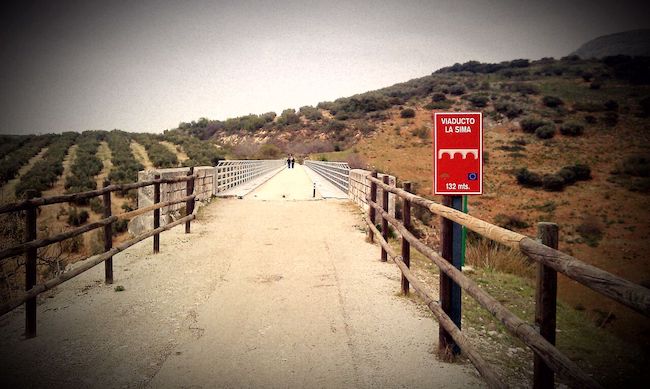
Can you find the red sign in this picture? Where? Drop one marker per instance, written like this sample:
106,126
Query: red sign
458,153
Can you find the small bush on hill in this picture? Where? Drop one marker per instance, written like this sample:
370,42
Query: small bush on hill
528,179
636,165
456,90
590,119
478,101
509,109
552,101
529,125
582,171
76,218
421,132
438,97
591,230
611,105
553,183
546,131
568,175
407,113
571,129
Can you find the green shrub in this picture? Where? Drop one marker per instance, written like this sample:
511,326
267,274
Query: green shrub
457,90
546,131
572,129
437,97
120,226
96,205
407,113
528,179
76,218
529,124
478,101
568,175
288,117
582,172
553,183
421,132
509,109
552,101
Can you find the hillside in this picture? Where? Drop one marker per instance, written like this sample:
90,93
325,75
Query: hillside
566,141
632,43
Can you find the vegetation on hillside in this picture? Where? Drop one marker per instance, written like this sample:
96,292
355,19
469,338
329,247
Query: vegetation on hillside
17,151
159,155
46,171
125,166
86,164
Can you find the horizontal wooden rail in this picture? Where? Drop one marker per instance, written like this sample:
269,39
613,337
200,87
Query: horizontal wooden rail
38,243
525,332
87,264
619,289
466,347
39,201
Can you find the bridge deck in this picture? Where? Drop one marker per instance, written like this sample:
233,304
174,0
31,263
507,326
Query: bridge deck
270,293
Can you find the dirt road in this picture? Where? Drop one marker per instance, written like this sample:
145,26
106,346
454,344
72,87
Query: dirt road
267,291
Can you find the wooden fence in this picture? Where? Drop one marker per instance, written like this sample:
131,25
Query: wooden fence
548,359
32,244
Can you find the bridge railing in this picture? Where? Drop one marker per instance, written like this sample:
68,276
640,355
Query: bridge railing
338,173
30,246
548,358
231,173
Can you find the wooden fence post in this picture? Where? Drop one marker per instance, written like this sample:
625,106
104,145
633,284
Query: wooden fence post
30,267
406,246
545,305
371,210
384,221
445,341
108,235
189,205
156,214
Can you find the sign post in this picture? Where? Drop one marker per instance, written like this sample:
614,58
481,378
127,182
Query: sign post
458,171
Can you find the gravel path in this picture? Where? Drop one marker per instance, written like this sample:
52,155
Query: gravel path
267,291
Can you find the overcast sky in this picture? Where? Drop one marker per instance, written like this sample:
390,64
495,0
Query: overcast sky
148,65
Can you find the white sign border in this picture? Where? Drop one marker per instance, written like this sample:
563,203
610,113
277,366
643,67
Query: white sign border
435,164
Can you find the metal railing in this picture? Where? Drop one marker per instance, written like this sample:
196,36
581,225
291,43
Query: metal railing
338,173
236,172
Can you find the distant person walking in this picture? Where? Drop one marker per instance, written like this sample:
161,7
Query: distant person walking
293,161
289,161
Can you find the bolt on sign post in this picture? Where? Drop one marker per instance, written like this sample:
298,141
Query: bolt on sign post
458,171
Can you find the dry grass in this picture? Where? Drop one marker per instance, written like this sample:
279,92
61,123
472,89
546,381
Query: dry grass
492,256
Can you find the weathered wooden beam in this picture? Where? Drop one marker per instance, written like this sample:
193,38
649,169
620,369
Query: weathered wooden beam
384,222
526,333
30,268
108,236
625,292
156,215
619,289
484,368
545,305
406,246
40,201
371,210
